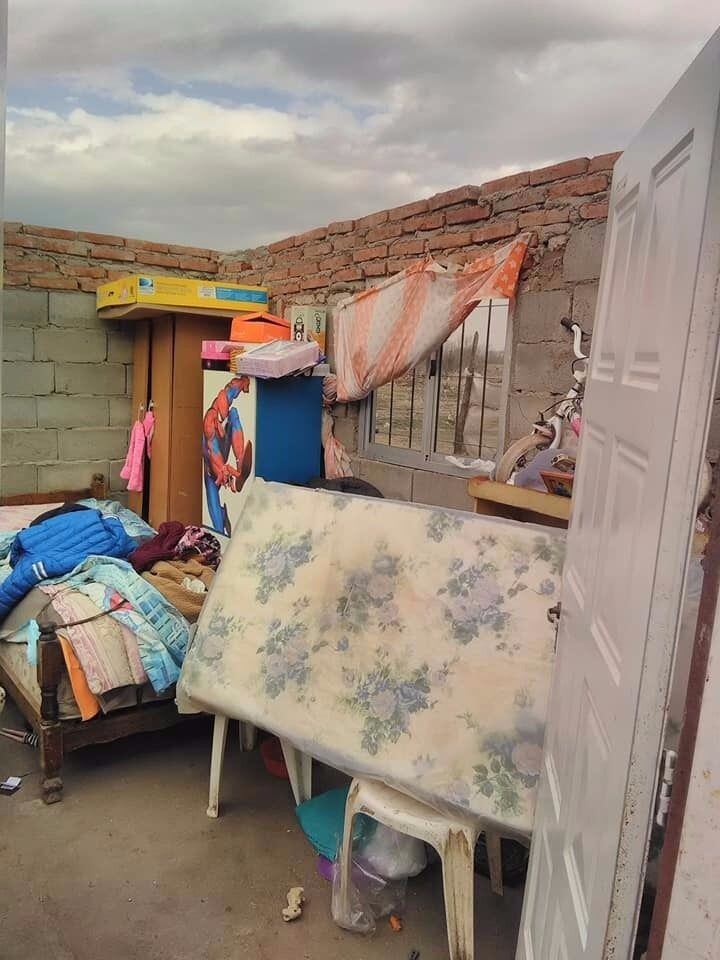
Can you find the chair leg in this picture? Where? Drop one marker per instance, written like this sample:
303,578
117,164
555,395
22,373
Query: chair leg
299,768
342,908
248,736
494,855
458,856
220,729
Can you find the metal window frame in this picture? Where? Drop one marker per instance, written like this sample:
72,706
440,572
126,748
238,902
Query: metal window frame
431,461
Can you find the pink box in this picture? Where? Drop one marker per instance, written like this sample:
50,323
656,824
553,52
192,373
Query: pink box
218,349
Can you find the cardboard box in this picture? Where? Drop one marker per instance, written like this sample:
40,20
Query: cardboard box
177,295
309,323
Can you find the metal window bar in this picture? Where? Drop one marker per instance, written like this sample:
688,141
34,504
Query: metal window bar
484,385
390,418
412,409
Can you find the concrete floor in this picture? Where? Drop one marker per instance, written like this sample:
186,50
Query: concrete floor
128,865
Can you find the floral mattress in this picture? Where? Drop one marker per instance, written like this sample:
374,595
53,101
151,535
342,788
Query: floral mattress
391,640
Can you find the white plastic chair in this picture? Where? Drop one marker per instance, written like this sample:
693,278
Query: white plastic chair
299,765
453,838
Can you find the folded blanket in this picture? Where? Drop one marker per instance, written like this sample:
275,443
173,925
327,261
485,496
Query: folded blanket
168,576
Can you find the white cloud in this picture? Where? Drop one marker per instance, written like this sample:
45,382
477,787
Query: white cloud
327,111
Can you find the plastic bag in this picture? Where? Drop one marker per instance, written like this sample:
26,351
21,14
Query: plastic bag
391,854
370,897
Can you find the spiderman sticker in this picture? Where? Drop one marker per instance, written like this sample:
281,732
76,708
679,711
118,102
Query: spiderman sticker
223,435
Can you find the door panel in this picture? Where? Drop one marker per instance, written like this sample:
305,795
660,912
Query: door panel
645,417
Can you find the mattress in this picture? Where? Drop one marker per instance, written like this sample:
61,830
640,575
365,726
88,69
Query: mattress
396,641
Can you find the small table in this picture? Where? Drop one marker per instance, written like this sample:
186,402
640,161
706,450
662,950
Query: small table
518,503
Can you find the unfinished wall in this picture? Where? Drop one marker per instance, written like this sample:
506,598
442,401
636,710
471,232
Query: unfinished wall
564,205
67,376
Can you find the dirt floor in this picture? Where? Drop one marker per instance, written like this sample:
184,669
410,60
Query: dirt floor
129,866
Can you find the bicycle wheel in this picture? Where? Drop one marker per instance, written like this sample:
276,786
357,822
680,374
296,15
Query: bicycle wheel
517,453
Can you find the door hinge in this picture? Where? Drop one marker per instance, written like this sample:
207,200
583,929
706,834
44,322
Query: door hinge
666,784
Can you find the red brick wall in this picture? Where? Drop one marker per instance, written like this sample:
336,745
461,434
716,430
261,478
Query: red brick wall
53,259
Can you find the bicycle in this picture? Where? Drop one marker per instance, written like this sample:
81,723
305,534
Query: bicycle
547,433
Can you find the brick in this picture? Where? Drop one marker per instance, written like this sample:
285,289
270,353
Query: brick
450,197
83,442
20,478
72,247
120,409
446,241
62,411
278,273
146,245
23,379
430,221
595,183
409,210
21,240
347,242
336,262
385,232
372,220
319,233
315,250
83,346
12,226
119,274
234,266
559,171
49,282
120,347
375,268
33,265
195,263
157,259
584,304
101,379
314,283
13,279
347,276
106,252
528,197
495,231
286,287
604,161
405,248
181,250
89,286
109,239
583,255
19,412
595,211
25,308
301,268
17,343
370,253
51,232
29,446
512,182
79,270
479,211
280,245
73,310
69,476
540,218
393,482
341,226
538,315
401,263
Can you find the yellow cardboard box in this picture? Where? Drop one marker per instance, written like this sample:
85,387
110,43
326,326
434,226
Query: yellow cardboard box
179,293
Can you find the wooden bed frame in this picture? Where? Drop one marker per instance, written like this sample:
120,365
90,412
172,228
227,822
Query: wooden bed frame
58,737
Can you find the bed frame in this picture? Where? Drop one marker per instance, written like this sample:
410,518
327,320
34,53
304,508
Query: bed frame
58,737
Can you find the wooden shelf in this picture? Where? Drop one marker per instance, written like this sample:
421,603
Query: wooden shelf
517,503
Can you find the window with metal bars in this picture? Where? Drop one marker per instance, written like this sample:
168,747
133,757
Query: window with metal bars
450,405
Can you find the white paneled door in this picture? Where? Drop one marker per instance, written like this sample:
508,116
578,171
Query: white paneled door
648,397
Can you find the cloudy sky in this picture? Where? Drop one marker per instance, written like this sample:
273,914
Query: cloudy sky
233,122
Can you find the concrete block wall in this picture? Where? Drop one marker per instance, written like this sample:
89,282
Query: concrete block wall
564,206
66,392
